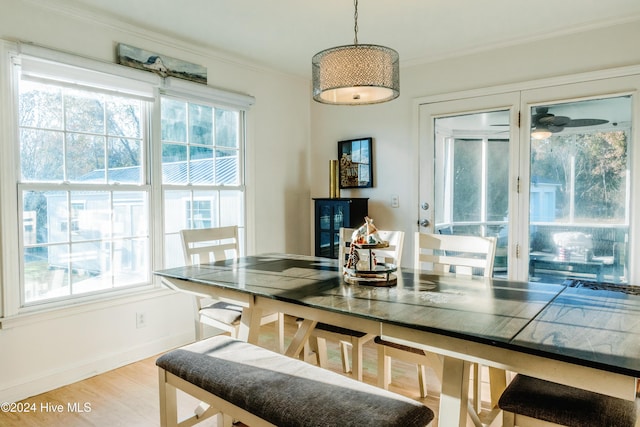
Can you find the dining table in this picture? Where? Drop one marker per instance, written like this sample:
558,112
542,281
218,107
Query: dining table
585,338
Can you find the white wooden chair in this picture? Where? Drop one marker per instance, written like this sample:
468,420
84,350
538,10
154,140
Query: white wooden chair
206,245
348,338
458,254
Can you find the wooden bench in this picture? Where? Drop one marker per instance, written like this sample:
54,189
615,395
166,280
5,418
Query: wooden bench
241,381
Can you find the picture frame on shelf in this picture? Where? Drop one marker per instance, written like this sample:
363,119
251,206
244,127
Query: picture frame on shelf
355,163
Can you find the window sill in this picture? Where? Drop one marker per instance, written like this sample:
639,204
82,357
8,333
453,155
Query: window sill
33,315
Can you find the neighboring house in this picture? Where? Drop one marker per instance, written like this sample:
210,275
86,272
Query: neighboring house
543,200
90,223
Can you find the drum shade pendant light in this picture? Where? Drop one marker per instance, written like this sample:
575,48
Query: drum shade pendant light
356,74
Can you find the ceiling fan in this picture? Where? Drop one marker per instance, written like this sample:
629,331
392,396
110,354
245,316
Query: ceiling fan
544,124
544,119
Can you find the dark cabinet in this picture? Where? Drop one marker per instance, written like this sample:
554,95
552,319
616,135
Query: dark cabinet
330,216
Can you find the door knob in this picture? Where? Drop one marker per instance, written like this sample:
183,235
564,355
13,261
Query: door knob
424,223
424,206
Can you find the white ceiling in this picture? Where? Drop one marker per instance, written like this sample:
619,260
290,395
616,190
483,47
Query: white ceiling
285,34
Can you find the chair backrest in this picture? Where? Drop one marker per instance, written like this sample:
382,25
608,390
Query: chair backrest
205,245
391,254
467,254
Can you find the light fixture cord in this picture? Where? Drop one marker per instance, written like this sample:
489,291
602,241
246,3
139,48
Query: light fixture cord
355,19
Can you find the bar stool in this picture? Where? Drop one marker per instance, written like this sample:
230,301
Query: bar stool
531,401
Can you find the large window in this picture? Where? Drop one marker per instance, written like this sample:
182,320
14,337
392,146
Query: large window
93,177
201,169
82,191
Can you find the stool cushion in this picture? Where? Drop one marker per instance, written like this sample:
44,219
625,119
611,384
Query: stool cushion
223,312
339,330
565,405
380,341
287,391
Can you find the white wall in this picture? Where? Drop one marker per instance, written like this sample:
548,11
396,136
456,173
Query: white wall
393,124
40,353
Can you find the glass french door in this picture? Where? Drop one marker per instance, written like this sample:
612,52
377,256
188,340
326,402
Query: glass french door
466,169
547,171
579,168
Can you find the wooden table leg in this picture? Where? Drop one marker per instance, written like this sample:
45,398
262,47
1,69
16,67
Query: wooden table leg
497,384
300,338
250,324
454,398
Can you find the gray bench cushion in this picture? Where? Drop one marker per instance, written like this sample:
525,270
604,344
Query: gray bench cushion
286,391
565,405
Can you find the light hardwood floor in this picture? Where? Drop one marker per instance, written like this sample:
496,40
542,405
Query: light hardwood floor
128,396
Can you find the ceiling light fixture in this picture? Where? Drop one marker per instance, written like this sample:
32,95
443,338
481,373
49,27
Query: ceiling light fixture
356,74
541,132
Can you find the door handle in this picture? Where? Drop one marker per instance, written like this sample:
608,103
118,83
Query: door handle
424,223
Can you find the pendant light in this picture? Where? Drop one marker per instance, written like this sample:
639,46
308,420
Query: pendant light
356,74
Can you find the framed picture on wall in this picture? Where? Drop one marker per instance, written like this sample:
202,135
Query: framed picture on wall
355,163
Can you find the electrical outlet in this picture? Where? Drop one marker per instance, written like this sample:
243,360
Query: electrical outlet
395,201
141,320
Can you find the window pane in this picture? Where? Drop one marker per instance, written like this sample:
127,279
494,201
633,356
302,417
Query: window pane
201,165
173,122
200,124
84,111
200,213
467,181
199,209
41,207
85,158
123,118
231,208
227,125
131,262
90,215
130,212
41,155
173,253
46,273
227,167
40,106
497,184
175,217
124,156
579,191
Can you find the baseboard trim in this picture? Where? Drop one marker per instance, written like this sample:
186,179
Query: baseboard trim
84,369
